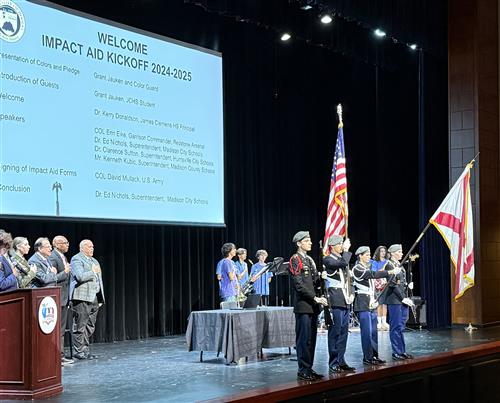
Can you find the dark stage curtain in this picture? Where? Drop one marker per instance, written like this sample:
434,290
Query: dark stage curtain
433,184
280,131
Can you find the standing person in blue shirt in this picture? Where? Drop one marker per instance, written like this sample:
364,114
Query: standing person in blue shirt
228,281
241,266
261,284
378,263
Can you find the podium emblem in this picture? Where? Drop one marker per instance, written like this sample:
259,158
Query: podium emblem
47,315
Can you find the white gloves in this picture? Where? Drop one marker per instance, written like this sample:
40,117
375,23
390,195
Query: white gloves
350,299
346,245
408,301
410,285
324,275
396,271
321,301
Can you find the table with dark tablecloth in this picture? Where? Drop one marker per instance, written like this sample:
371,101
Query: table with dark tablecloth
240,333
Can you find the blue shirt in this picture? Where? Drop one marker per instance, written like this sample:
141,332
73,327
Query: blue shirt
261,285
240,268
227,286
377,265
217,270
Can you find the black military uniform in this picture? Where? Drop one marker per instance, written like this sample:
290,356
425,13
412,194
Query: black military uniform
305,279
337,268
393,295
364,306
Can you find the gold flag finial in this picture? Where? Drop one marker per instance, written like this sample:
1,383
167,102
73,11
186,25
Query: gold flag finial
471,164
339,113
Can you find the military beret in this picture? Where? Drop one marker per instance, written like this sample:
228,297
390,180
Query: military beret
335,240
301,235
395,248
362,249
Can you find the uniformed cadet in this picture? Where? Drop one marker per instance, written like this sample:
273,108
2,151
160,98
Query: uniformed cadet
341,297
306,305
365,304
395,296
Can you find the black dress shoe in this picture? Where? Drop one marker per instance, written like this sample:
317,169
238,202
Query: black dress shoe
398,357
407,356
347,368
379,360
335,369
305,376
80,356
316,375
92,357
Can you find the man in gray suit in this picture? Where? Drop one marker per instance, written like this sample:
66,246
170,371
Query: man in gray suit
87,294
59,261
46,274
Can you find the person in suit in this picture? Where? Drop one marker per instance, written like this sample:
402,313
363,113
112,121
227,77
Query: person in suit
8,272
20,248
58,260
341,297
306,305
87,294
46,274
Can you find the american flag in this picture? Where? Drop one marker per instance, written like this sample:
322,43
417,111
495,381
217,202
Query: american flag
337,212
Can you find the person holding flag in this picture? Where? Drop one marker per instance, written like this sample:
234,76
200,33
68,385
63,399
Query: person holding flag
341,296
337,256
395,296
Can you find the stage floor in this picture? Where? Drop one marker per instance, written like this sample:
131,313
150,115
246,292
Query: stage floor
161,370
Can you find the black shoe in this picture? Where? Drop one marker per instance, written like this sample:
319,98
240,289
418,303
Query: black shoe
335,369
305,376
398,357
80,356
316,375
92,357
407,356
347,368
380,362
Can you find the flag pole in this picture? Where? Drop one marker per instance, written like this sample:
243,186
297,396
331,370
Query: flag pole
340,126
470,328
471,163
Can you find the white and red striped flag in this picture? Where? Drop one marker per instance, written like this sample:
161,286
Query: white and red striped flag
337,211
453,220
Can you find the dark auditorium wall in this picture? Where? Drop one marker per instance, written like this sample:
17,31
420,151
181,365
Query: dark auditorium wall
280,130
474,127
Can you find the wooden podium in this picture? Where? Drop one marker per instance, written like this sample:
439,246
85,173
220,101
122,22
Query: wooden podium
30,343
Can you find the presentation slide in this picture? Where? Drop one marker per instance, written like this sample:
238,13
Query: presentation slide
99,121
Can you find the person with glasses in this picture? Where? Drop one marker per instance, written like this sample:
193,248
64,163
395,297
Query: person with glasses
46,274
58,260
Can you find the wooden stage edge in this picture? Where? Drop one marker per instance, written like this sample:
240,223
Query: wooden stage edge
302,388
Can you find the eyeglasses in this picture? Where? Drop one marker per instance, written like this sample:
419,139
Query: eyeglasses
63,243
